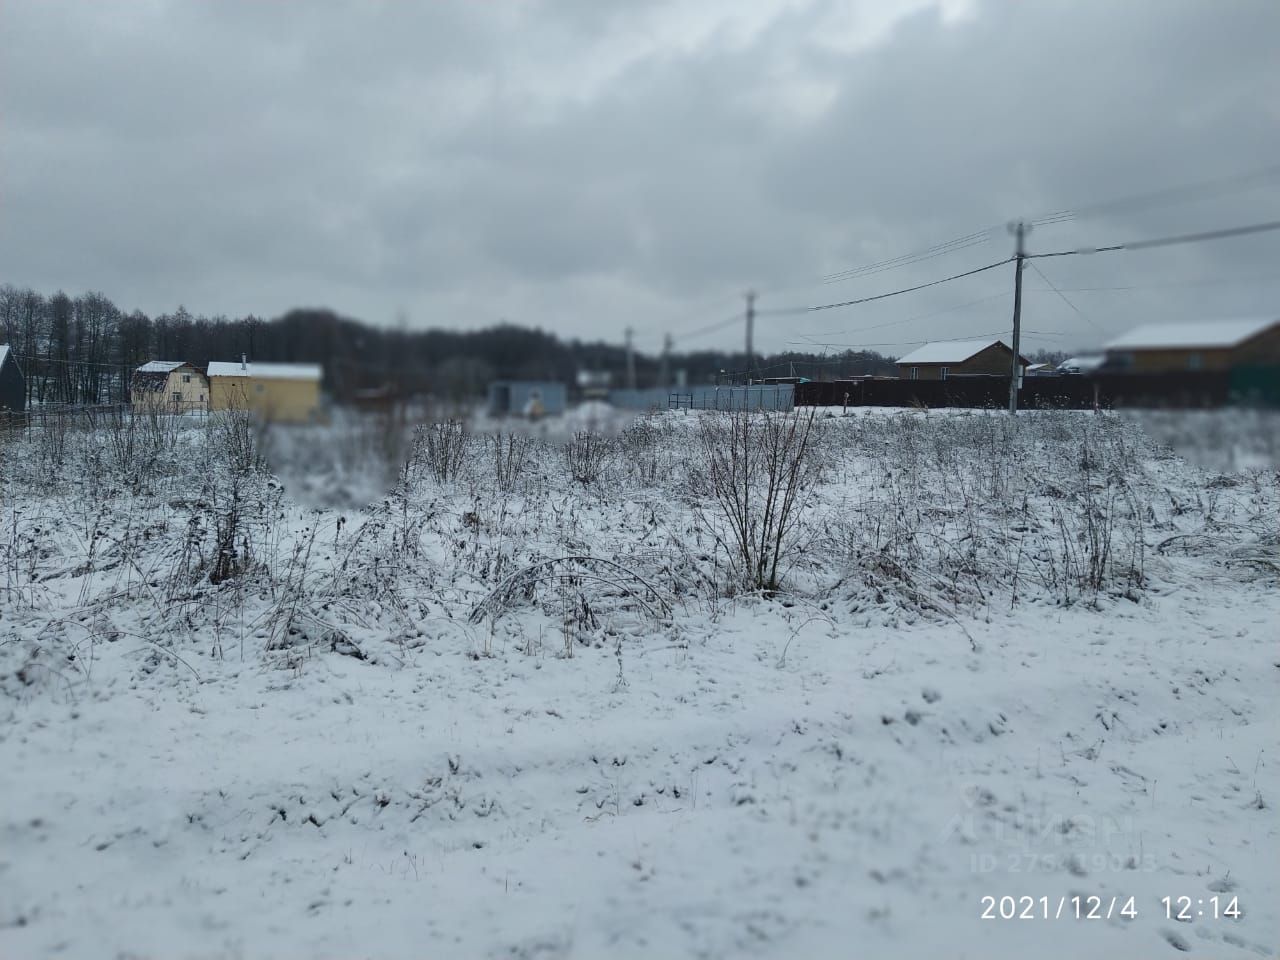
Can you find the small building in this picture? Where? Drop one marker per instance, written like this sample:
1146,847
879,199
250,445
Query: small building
168,386
958,358
527,398
279,392
1205,346
13,387
1041,370
594,384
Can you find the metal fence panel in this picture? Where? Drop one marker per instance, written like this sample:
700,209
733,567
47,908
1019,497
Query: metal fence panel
768,396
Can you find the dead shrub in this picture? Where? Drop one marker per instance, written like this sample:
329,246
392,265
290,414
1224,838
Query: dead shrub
587,455
758,467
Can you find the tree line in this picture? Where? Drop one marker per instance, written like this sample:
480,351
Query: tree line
83,350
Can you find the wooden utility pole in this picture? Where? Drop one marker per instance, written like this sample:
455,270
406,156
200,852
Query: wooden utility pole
751,322
1020,231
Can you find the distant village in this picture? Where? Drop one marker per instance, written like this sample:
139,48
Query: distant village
1169,364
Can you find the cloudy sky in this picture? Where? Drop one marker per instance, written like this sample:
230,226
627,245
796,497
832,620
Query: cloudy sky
584,165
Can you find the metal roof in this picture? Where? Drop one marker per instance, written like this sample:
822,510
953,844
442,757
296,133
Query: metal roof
1209,334
948,351
265,371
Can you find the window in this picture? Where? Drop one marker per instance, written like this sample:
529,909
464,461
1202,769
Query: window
1195,361
915,373
186,378
177,396
944,372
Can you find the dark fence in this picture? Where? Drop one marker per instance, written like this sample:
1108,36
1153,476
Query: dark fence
1037,393
1256,386
1252,386
1172,390
61,417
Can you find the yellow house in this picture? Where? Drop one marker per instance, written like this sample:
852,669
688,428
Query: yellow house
280,392
168,386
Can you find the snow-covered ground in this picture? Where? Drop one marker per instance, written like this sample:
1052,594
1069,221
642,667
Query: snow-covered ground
505,714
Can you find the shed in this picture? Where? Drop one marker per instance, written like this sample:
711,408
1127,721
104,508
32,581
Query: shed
13,388
281,392
958,358
518,397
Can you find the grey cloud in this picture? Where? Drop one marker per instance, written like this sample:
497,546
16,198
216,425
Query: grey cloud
554,164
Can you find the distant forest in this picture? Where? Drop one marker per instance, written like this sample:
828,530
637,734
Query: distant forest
83,349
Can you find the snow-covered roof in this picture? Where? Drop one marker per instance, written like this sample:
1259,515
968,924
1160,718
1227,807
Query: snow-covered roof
265,371
1082,364
161,366
1205,334
948,351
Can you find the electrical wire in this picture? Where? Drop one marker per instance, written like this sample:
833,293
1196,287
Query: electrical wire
712,327
1081,315
912,343
923,316
1164,241
937,250
919,286
1182,192
1218,281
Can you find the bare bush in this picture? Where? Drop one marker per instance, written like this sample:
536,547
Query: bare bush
510,456
644,450
136,443
231,545
758,467
586,455
237,441
51,439
441,447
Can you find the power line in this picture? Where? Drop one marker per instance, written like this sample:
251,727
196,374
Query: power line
1062,216
920,286
912,343
712,327
937,250
979,236
1199,237
1182,192
1036,268
925,316
73,363
780,311
1217,281
1165,241
1165,195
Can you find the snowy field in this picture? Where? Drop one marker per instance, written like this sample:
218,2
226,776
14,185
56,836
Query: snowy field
536,701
